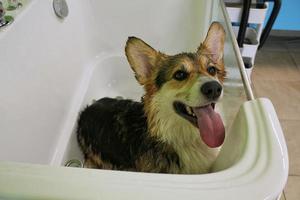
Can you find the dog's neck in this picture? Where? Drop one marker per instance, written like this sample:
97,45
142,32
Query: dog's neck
170,128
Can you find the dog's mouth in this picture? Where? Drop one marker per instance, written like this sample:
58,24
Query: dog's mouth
208,122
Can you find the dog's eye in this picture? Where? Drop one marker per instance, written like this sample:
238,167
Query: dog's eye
212,70
180,75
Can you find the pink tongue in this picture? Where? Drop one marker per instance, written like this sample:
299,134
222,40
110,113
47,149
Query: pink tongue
210,126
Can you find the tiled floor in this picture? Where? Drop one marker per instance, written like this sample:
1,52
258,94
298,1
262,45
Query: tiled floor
276,75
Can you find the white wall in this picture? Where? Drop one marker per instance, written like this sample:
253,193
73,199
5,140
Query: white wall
170,25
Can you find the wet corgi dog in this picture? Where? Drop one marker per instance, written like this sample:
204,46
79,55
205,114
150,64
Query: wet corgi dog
174,129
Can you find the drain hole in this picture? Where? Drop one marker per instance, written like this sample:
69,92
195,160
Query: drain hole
74,163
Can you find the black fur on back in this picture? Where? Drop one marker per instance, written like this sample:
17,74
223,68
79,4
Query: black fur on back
117,130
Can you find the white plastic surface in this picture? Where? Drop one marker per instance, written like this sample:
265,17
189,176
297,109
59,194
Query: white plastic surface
249,50
256,15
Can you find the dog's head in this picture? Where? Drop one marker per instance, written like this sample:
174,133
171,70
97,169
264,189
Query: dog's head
183,88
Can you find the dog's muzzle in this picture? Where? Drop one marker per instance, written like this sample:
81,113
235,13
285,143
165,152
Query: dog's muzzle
211,90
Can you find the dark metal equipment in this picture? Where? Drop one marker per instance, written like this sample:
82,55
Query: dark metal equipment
269,24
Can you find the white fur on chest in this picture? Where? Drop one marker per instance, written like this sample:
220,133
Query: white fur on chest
195,156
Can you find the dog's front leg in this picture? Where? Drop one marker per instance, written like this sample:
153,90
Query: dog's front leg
159,160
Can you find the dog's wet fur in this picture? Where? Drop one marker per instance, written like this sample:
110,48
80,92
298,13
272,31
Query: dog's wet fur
149,136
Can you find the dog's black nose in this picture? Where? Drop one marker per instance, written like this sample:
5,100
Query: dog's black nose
212,90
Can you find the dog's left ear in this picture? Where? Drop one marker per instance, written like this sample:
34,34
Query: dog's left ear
214,42
141,57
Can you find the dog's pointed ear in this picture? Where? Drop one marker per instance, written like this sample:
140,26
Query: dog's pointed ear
141,57
214,42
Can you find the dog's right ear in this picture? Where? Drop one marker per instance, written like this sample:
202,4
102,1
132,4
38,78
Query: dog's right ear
141,57
214,42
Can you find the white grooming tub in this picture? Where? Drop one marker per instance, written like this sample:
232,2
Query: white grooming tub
51,68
